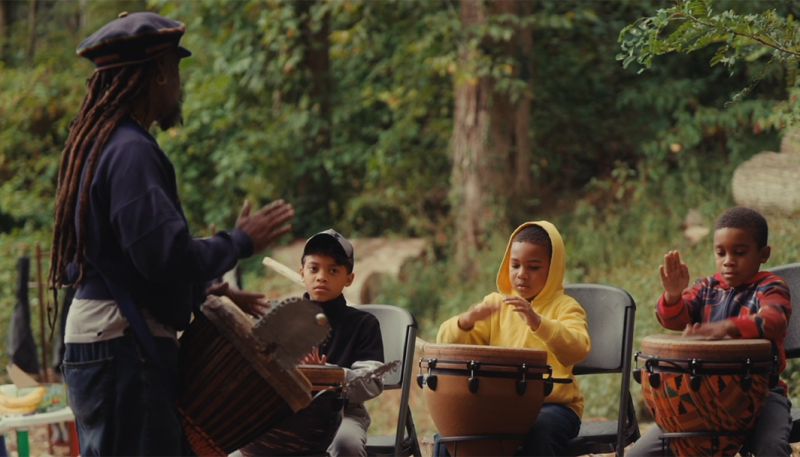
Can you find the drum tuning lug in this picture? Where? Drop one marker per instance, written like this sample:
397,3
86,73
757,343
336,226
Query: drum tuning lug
747,383
637,375
420,380
773,380
655,380
548,387
474,383
522,386
431,382
695,382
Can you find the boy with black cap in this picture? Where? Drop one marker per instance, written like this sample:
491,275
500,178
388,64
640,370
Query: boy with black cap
355,342
121,238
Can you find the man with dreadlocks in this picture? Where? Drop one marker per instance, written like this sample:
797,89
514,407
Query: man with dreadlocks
121,237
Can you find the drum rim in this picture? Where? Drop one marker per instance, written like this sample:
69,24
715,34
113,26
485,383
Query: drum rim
699,366
466,352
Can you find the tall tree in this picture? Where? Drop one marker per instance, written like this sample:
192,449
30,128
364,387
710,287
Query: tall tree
6,15
491,144
313,185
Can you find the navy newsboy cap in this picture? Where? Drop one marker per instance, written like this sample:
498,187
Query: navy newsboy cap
133,38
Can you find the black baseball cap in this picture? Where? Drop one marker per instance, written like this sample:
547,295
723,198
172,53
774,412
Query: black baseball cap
331,238
133,38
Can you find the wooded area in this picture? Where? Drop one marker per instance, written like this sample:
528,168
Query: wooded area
448,120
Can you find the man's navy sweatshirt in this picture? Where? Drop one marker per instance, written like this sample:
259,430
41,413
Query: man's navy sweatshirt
138,236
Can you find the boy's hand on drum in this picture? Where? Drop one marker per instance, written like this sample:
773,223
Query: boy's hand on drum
477,313
313,358
524,309
267,224
252,303
713,330
674,277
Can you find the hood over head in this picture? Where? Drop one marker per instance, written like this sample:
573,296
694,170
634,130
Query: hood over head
558,264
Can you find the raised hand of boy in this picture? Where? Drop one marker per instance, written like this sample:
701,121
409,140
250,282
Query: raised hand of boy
313,358
713,330
674,277
525,311
477,313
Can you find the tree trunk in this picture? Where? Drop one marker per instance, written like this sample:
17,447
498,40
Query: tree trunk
313,186
5,28
491,142
523,181
31,30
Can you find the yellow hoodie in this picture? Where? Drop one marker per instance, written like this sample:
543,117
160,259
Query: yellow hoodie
563,332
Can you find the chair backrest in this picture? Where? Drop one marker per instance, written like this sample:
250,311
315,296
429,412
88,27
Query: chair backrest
399,334
610,314
399,331
791,274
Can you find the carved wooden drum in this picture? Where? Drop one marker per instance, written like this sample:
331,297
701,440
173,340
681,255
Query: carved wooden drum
233,387
489,396
705,395
311,430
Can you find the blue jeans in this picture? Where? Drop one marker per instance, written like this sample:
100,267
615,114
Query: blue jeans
124,403
554,427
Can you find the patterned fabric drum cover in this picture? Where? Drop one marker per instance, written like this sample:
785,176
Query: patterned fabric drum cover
478,390
695,385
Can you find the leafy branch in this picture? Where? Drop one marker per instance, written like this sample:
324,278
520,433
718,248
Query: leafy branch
696,26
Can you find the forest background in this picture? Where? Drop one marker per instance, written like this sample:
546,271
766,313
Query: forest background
448,120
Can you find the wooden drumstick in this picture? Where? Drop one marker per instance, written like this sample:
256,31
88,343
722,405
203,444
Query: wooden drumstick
287,272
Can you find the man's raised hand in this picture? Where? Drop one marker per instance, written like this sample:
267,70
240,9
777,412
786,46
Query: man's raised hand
267,224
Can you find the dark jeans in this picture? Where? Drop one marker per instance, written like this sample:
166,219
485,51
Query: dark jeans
124,403
554,427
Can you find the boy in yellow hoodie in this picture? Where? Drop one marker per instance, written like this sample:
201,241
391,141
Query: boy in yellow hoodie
532,311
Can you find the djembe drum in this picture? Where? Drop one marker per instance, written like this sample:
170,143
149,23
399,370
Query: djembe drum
233,386
483,399
705,395
311,430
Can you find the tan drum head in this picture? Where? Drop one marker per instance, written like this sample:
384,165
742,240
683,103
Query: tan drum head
490,354
675,345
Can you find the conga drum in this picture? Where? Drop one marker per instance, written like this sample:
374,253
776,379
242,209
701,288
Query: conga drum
705,394
311,430
483,399
232,387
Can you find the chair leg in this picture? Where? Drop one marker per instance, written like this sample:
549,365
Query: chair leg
412,435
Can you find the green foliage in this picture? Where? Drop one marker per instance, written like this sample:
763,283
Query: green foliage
750,36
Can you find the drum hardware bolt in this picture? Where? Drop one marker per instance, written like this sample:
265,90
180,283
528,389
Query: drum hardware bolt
431,382
522,387
655,380
474,384
695,382
637,375
522,384
747,383
322,319
420,380
548,386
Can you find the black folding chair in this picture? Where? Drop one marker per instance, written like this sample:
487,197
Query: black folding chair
610,312
399,331
791,345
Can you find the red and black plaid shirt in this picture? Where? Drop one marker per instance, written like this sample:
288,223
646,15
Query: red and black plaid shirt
760,307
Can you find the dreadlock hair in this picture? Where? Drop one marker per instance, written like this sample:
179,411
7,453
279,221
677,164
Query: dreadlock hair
109,99
534,234
748,220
